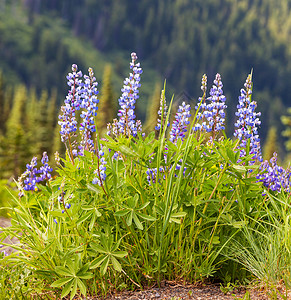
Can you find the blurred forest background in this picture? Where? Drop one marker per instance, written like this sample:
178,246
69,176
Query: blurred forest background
176,40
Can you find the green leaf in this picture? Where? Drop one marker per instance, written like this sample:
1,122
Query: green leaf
63,271
60,282
92,222
116,264
146,217
121,213
104,265
83,269
97,261
129,218
67,288
56,213
74,289
82,286
85,217
215,240
126,150
86,276
93,188
137,222
239,168
98,248
179,214
144,205
120,254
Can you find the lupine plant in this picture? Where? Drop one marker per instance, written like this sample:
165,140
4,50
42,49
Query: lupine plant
127,210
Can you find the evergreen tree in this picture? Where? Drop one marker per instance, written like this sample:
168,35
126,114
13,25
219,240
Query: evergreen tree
107,106
51,120
42,141
14,151
31,111
57,146
286,120
271,144
152,109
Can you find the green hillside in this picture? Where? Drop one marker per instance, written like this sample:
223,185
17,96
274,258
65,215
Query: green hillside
178,39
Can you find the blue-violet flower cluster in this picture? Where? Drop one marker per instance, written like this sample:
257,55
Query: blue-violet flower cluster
273,176
68,120
89,103
247,123
179,126
211,110
100,174
32,175
126,124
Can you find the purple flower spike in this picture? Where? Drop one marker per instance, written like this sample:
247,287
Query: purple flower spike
127,125
211,110
100,172
29,178
180,123
68,120
247,123
45,170
273,176
89,104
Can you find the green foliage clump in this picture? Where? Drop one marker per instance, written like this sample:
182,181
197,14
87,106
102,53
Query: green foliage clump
164,211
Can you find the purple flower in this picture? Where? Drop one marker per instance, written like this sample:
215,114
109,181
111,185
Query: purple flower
100,174
273,176
45,170
68,120
247,123
89,103
180,123
126,124
211,110
30,178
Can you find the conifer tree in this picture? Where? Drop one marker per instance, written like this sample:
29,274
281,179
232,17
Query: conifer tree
153,108
14,151
286,120
271,144
42,141
8,100
106,107
57,146
31,111
51,120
